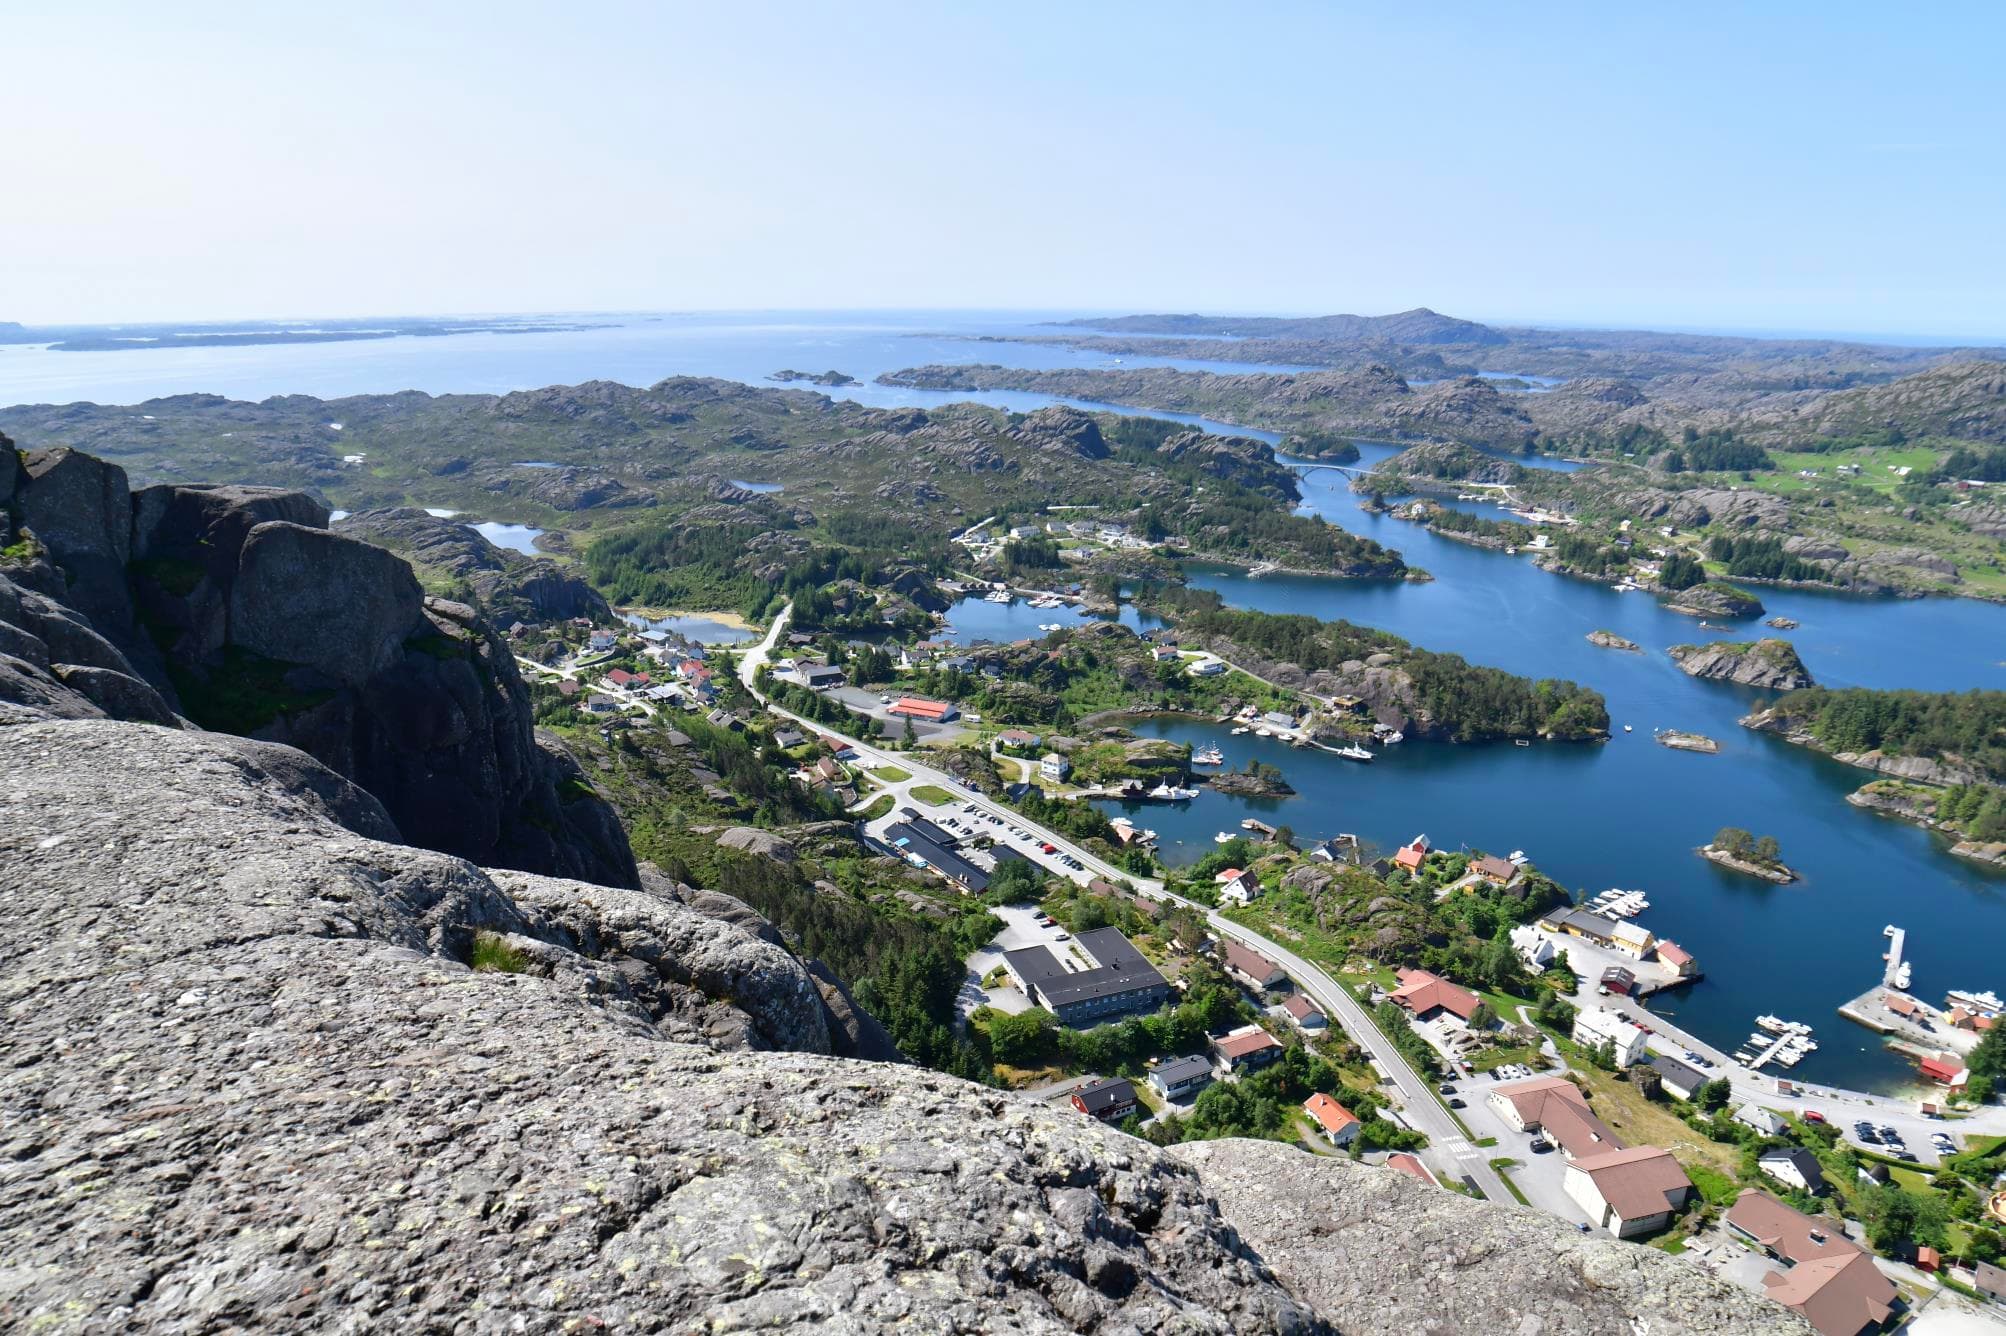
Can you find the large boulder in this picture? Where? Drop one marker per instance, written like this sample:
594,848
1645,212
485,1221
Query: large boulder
309,597
80,510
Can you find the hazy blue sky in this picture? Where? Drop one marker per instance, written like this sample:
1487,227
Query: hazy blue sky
1823,166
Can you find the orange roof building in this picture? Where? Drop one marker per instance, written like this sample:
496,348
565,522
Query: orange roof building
1424,994
1339,1123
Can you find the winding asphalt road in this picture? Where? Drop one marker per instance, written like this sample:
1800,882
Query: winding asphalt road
1450,1150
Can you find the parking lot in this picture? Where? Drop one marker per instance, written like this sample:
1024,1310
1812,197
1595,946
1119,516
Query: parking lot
867,702
1541,1176
1020,929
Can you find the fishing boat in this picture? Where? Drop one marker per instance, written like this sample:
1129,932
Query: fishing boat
1208,756
1171,793
997,596
1772,1023
1354,753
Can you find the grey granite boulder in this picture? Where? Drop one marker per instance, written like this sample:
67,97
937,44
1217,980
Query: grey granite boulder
253,1081
1452,1265
79,509
309,597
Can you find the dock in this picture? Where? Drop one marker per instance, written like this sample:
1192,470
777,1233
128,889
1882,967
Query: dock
1897,973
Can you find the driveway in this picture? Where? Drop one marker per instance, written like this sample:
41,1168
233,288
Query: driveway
1020,929
1541,1177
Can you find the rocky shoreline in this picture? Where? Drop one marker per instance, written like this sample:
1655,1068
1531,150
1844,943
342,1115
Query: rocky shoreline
1610,640
1779,874
1772,665
1901,801
1243,785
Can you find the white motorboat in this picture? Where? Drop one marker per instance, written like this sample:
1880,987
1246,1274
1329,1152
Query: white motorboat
1171,793
1208,756
1354,753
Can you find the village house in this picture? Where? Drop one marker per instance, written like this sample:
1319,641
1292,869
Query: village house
1054,766
1016,739
1534,947
601,641
1628,1192
1761,1119
1340,1125
1252,969
1164,654
785,738
1246,1048
1578,923
1413,1168
1795,1167
1181,1076
1825,1278
1554,1107
1678,959
1618,982
1990,1282
819,676
567,687
1237,886
1497,871
627,681
1208,668
1108,1100
1412,854
1303,1013
1594,1026
1429,997
1632,939
1676,1078
1945,1069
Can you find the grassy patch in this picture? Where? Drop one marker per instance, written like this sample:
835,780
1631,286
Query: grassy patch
1671,1243
891,774
932,795
1504,1167
1643,1123
1492,1058
1718,1188
493,955
880,806
1487,1142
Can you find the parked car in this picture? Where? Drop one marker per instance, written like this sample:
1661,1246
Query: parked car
1446,1088
1539,1145
1455,1103
1813,1116
1048,848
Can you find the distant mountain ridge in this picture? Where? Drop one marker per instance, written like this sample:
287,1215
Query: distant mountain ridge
1419,325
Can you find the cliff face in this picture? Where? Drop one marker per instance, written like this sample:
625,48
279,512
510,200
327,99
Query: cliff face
507,586
253,1080
236,609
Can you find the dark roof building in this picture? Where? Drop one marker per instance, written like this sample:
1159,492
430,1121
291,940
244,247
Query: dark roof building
945,839
1180,1076
908,841
1107,1100
1676,1077
1121,979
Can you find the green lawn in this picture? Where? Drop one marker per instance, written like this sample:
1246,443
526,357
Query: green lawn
880,805
891,774
932,795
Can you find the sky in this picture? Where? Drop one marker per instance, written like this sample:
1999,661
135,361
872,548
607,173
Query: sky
1809,167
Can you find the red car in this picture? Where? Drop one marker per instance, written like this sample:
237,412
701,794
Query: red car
1813,1116
1048,848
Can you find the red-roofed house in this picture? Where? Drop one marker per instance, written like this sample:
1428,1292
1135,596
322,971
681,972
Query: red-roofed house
1252,968
1680,959
1237,887
1899,1004
1557,1109
934,711
1430,997
627,681
1340,1125
1827,1278
1412,854
1251,1047
1411,1167
1945,1070
1304,1013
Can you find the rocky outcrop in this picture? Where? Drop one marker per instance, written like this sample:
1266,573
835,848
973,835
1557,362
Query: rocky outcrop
244,615
1061,428
507,586
1610,640
1715,599
1937,770
255,1080
1772,665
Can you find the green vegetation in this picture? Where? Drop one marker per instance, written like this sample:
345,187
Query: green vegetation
1969,726
493,955
1763,851
891,774
879,806
931,794
1473,703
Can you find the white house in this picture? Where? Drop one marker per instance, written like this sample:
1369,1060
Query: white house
1630,1191
1794,1166
1761,1119
1534,947
1054,766
1237,887
1599,1025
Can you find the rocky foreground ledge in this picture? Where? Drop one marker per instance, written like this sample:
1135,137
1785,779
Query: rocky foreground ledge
252,1081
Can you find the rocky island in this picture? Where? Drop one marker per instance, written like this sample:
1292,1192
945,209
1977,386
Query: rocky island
1772,665
1735,849
1715,598
831,378
1610,640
